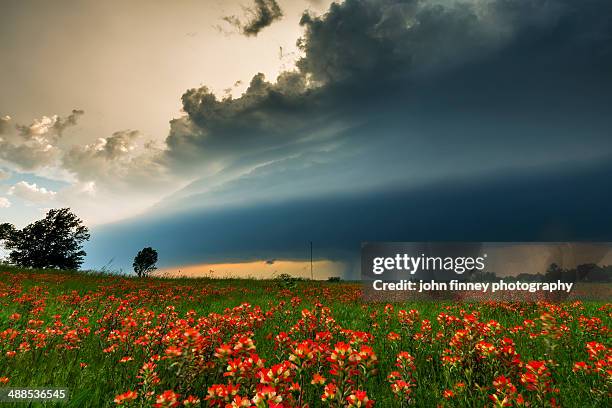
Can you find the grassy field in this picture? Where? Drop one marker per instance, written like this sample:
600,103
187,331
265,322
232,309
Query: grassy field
168,342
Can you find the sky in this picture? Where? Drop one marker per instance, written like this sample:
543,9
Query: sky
236,132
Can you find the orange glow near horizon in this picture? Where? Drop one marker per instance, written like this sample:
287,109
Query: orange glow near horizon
322,269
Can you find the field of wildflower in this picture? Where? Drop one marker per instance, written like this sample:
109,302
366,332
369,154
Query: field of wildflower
118,341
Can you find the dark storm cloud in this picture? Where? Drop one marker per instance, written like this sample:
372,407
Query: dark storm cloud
396,95
266,118
262,14
521,207
397,58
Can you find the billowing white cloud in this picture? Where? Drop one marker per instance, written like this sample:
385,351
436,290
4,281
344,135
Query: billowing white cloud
39,127
28,155
34,146
119,162
125,167
123,160
31,192
54,124
4,202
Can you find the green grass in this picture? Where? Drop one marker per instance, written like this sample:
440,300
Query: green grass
103,378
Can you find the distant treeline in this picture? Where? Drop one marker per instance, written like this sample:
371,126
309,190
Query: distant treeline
582,273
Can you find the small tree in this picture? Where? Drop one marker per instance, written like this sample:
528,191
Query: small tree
56,241
144,262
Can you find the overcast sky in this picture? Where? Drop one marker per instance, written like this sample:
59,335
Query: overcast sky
148,118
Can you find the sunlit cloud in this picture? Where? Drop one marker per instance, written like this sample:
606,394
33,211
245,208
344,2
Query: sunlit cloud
31,192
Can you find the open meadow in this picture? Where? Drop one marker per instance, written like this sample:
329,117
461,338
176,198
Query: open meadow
277,343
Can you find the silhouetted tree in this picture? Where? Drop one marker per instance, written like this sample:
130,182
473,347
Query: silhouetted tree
553,273
144,262
56,241
6,230
592,273
529,277
583,271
